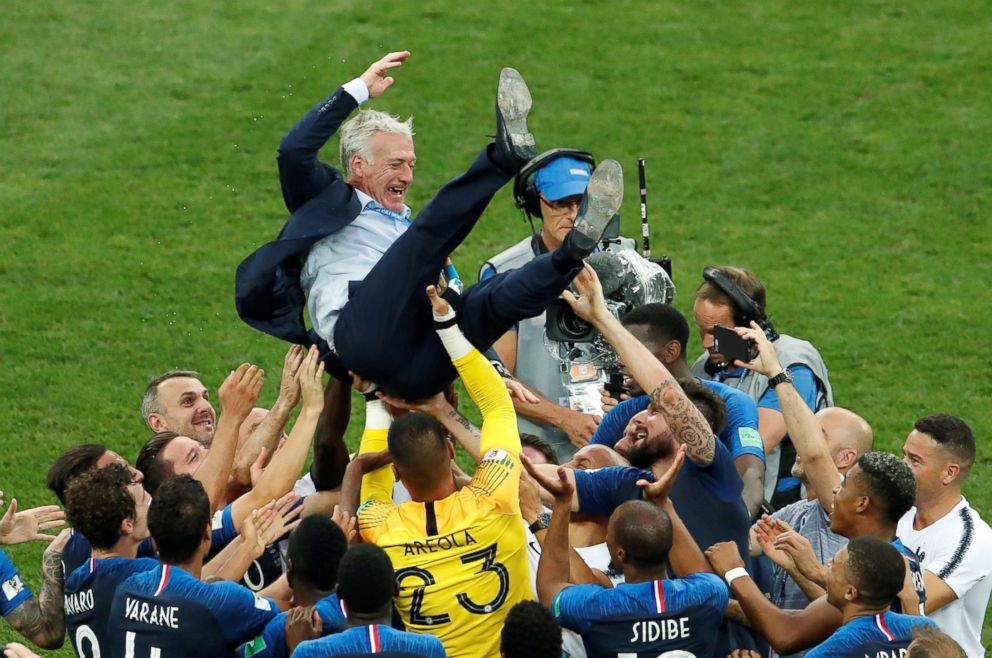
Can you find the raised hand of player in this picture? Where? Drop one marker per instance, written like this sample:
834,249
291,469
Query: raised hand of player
724,556
285,517
240,390
766,531
16,650
439,305
302,624
560,486
657,492
520,392
767,362
590,305
346,522
19,527
289,385
530,498
800,551
250,528
432,406
376,76
311,378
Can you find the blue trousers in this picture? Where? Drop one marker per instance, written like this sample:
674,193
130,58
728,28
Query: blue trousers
385,332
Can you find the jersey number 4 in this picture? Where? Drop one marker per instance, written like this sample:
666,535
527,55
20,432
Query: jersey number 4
489,564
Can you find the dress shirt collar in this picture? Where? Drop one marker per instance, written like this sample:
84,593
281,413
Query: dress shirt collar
371,205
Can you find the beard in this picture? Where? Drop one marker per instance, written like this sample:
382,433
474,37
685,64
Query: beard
646,452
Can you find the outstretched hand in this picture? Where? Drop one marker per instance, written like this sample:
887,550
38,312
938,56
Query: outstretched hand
657,492
311,378
767,362
560,487
590,304
18,527
376,76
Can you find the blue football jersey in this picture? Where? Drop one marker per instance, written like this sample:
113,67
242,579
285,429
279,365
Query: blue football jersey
168,613
77,551
878,636
644,620
271,643
264,570
89,595
378,639
13,591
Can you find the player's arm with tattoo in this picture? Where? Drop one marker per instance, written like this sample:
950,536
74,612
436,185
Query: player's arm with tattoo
685,420
42,619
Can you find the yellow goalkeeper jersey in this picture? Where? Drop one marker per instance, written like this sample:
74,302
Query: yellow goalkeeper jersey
460,562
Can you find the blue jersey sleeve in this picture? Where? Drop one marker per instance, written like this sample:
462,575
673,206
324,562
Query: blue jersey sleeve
222,532
239,613
270,643
603,490
572,606
614,423
703,589
740,434
805,383
13,591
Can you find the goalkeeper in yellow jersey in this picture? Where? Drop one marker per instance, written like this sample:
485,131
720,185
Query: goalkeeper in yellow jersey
460,555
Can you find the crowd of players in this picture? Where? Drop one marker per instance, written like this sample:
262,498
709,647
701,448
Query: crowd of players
723,508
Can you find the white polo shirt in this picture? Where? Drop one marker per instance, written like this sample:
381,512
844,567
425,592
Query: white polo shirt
957,548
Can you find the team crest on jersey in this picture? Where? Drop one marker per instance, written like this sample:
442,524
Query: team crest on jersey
13,587
502,457
262,603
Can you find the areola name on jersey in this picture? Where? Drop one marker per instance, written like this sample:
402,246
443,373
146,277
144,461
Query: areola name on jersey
457,539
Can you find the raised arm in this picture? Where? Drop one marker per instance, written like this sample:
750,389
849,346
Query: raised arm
802,425
687,423
266,435
301,174
463,431
41,619
237,396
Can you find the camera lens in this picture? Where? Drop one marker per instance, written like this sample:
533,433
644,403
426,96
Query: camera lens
572,325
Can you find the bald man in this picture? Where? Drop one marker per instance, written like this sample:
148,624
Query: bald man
827,445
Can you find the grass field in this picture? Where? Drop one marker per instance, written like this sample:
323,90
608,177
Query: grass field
838,149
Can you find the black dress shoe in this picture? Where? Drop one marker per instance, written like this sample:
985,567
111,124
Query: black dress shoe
514,144
602,200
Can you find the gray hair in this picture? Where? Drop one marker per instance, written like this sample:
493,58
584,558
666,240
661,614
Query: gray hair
149,401
357,133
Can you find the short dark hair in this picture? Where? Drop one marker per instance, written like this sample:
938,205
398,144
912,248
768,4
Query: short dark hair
664,322
149,401
889,481
419,446
708,401
72,463
953,434
643,531
540,444
744,279
365,579
876,568
931,642
530,631
315,550
97,501
152,464
178,516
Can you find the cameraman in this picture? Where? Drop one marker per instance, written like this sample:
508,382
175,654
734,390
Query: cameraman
550,187
804,367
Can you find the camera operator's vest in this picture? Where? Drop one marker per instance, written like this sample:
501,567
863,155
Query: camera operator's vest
790,351
535,365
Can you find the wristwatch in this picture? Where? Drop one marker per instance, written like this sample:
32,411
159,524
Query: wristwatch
542,522
780,378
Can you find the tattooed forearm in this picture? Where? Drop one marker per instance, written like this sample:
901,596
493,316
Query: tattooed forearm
41,619
463,421
685,420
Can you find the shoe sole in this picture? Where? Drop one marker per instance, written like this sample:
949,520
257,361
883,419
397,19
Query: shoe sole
514,102
603,198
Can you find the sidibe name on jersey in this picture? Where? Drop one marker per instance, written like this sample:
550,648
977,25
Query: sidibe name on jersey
79,602
662,629
442,543
150,613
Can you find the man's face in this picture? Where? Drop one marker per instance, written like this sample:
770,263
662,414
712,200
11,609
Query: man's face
141,502
591,457
186,409
111,457
838,586
389,174
185,455
647,439
928,461
706,314
557,218
534,455
847,498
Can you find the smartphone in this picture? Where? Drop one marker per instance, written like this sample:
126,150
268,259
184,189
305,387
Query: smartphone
733,347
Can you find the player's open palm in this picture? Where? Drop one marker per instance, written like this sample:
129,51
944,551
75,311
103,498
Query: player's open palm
240,390
18,527
664,479
311,376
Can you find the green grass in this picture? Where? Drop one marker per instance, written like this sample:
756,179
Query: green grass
840,150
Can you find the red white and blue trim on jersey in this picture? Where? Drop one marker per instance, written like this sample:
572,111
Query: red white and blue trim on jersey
163,581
